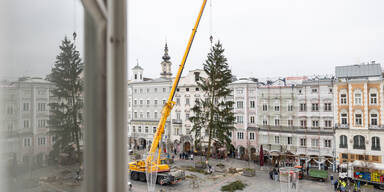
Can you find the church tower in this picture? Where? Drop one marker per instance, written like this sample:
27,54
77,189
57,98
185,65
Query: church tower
137,73
166,64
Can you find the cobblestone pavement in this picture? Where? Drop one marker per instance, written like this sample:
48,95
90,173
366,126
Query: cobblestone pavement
213,183
29,182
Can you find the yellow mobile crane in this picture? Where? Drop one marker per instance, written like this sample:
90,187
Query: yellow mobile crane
138,169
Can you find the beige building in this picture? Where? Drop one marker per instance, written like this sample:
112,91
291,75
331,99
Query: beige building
359,113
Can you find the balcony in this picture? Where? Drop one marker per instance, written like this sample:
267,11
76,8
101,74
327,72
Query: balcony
375,127
342,126
177,121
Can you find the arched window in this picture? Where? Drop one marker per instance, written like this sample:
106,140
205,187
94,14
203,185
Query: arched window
358,142
343,141
375,143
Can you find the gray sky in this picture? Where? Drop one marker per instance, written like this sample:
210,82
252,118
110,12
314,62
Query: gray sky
32,34
262,38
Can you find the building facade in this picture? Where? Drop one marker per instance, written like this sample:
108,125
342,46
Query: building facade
146,98
244,137
295,120
359,113
187,93
25,115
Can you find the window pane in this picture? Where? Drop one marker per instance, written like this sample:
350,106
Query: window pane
42,85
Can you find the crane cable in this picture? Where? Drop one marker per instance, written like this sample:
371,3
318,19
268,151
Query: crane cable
210,22
74,21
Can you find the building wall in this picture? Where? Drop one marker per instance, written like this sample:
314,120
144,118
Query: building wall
145,102
347,150
185,97
25,118
287,135
244,137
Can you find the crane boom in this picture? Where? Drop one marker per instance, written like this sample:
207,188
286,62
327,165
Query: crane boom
170,103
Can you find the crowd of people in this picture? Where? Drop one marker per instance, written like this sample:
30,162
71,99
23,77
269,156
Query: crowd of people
341,185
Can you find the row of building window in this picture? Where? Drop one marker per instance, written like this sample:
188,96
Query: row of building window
141,102
240,119
240,104
358,98
303,142
146,129
358,117
27,142
315,142
240,136
187,89
359,142
155,115
164,90
148,90
351,157
143,129
41,123
241,91
26,107
315,90
303,123
302,107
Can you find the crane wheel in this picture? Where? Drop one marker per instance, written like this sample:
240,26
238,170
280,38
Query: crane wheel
142,177
134,175
159,180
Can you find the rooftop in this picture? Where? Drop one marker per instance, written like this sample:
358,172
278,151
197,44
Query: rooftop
362,70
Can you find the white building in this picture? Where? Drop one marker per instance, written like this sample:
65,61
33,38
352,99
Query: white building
25,114
295,120
146,98
186,95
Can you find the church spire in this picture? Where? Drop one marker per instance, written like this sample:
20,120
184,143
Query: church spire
166,57
166,64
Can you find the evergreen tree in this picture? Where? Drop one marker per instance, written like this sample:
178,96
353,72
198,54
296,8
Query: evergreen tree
65,113
198,123
215,112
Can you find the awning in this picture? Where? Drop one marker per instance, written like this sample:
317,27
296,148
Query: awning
358,163
222,149
377,166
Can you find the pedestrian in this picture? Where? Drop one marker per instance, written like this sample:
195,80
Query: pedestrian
77,176
335,185
129,186
191,156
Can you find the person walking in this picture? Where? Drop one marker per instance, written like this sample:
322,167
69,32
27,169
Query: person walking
335,184
129,186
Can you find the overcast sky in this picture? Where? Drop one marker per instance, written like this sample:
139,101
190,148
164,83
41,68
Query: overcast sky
262,38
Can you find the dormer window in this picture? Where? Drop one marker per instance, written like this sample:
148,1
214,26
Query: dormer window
197,76
135,76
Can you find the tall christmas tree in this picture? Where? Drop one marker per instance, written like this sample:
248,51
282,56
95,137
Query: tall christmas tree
66,112
215,110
